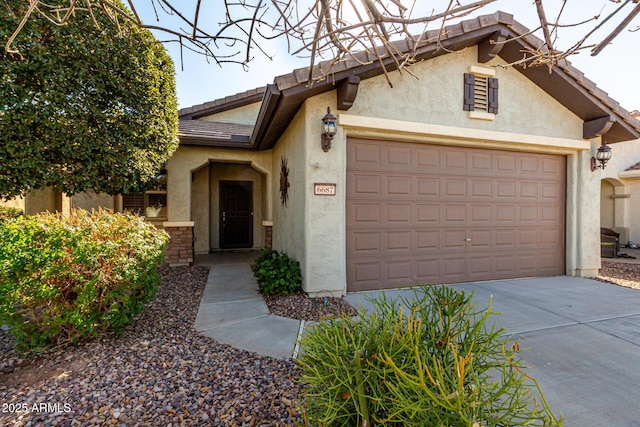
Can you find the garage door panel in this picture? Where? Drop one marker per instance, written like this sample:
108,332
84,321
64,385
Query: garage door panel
480,239
505,215
527,214
427,270
367,272
505,239
363,214
428,187
427,158
365,185
480,163
505,190
455,160
528,190
363,155
398,186
454,189
553,167
481,189
397,214
398,241
451,214
454,240
550,191
527,238
427,240
398,271
397,158
550,214
480,215
505,163
427,214
364,243
481,267
455,214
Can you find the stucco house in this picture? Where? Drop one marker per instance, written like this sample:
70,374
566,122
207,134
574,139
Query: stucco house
464,171
620,192
417,184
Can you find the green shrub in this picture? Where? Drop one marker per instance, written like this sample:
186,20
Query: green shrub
439,364
9,213
277,273
66,278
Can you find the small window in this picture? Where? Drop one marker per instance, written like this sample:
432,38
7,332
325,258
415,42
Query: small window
151,203
481,94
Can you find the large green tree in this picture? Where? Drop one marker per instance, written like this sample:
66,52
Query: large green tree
88,105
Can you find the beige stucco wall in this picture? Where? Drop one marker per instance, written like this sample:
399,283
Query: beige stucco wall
16,202
246,115
91,200
42,201
189,190
289,220
200,214
436,96
429,109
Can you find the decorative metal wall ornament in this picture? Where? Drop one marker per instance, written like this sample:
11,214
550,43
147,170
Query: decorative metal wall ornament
284,181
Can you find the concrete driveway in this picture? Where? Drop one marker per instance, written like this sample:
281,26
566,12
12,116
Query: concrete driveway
584,340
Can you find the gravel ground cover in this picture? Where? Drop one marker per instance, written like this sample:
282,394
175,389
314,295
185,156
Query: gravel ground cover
301,307
162,373
623,274
159,373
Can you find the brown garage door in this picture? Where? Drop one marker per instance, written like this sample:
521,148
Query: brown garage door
450,214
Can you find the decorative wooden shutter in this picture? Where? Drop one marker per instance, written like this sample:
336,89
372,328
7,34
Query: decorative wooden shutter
492,105
469,91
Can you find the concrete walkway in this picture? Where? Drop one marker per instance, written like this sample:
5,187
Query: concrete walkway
583,335
233,312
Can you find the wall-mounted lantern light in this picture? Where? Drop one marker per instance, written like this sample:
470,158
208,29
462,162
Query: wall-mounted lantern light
329,128
603,155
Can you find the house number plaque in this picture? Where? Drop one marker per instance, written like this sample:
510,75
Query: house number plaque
324,189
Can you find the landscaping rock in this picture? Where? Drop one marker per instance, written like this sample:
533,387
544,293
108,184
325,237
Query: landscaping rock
160,372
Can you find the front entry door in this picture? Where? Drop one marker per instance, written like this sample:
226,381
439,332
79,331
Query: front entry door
236,214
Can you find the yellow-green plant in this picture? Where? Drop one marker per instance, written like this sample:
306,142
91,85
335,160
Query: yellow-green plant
64,278
428,360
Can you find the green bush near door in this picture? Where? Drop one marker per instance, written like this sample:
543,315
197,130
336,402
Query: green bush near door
277,273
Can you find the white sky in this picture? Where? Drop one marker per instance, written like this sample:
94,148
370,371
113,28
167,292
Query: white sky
614,70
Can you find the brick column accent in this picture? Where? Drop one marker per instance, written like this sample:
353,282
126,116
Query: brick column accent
268,234
180,249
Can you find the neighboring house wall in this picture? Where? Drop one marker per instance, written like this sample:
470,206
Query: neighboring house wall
620,191
607,205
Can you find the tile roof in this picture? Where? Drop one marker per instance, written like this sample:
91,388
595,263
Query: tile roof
213,133
282,100
223,104
635,167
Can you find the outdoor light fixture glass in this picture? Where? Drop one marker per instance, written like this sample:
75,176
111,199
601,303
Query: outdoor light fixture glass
603,156
329,128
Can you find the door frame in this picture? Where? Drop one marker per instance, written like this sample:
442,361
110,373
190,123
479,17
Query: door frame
221,185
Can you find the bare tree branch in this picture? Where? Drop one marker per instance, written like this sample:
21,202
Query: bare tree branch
333,30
